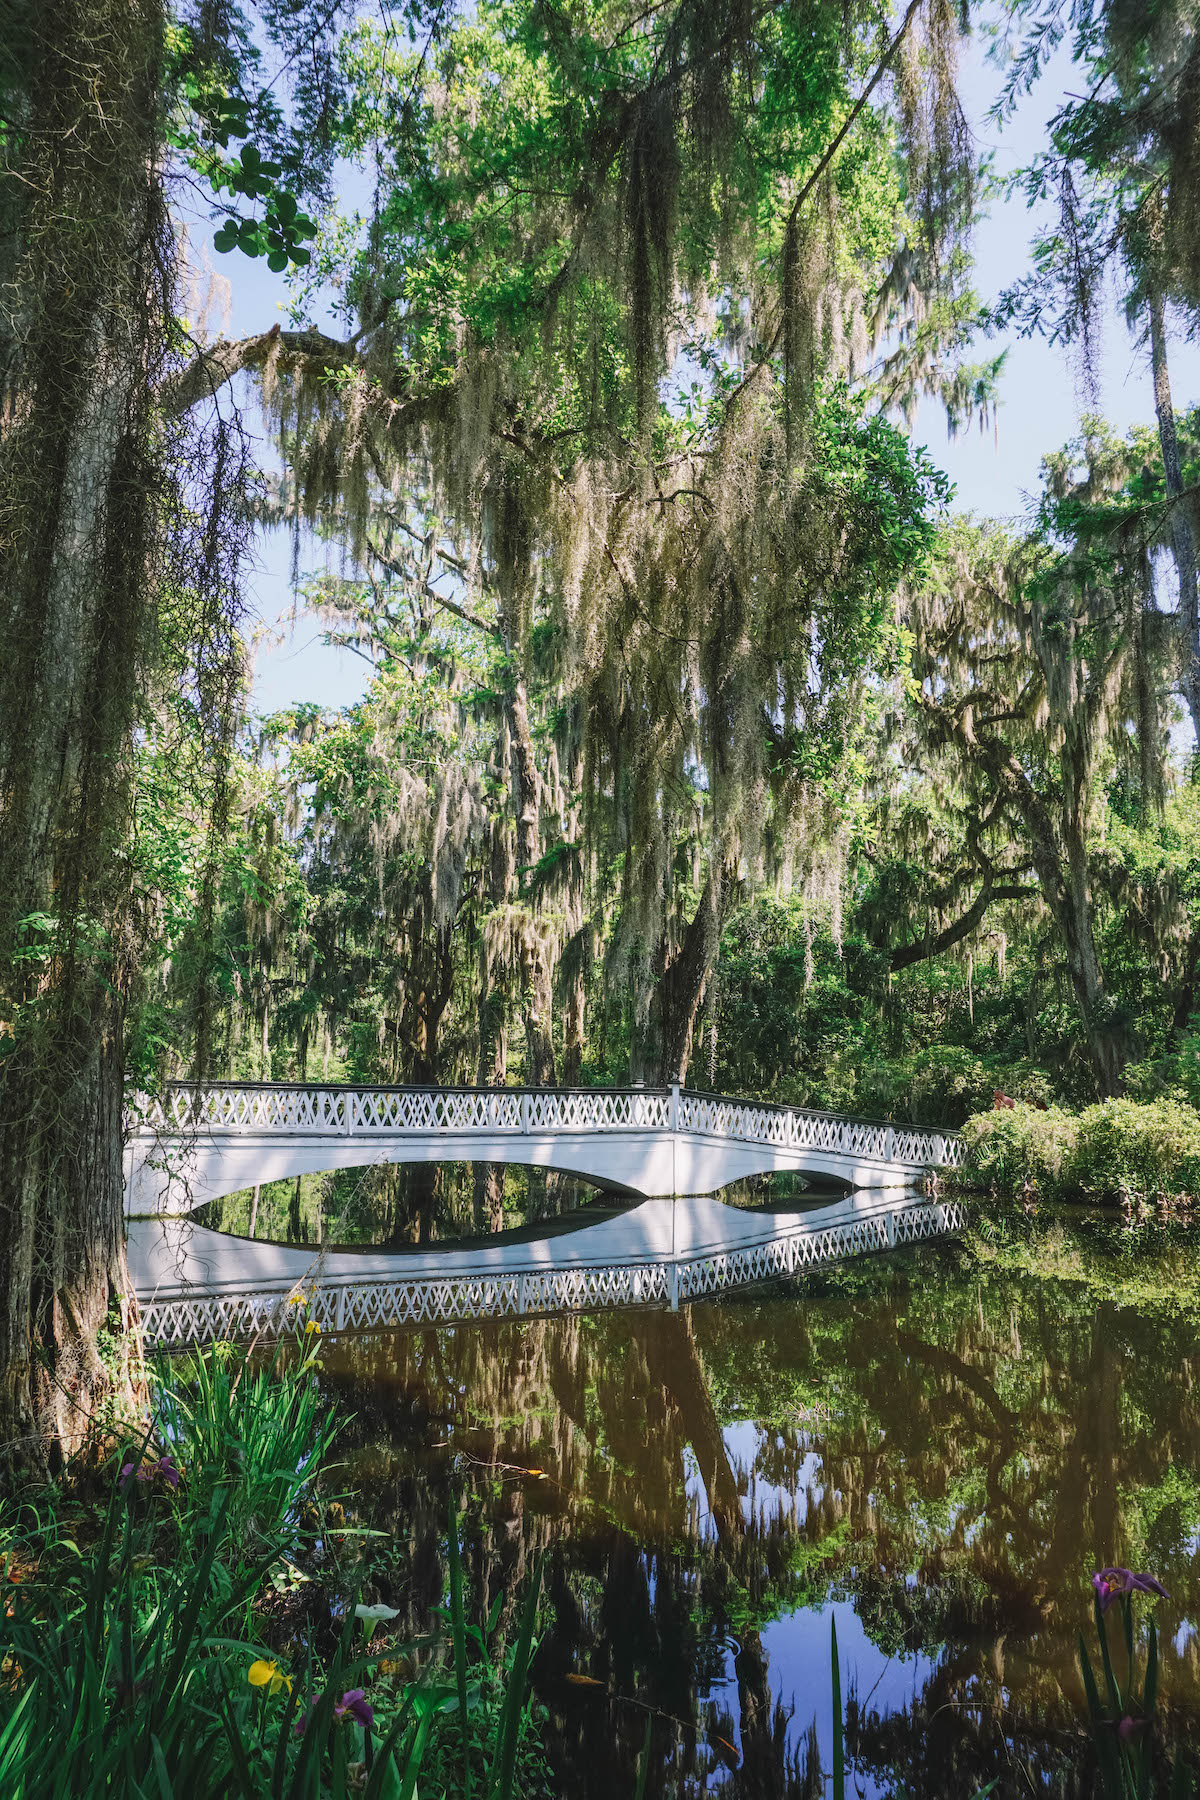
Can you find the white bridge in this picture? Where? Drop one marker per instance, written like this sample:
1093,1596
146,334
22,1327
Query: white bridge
195,1144
674,1148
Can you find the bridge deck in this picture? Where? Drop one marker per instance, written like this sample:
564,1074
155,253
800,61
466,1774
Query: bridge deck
194,1285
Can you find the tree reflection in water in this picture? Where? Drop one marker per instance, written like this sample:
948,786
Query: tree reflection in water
942,1450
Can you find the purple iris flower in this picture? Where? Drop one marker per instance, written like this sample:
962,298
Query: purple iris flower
1129,1728
168,1468
352,1705
1110,1583
355,1704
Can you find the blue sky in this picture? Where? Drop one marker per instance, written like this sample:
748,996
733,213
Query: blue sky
994,472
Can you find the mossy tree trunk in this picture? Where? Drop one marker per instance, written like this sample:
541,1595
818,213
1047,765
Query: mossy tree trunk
82,327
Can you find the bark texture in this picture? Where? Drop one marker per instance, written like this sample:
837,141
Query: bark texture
1183,536
82,323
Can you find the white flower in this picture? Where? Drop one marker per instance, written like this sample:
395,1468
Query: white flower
374,1613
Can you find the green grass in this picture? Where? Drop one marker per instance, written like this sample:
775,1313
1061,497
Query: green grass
137,1624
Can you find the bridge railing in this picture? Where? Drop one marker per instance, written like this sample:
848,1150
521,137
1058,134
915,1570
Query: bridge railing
288,1108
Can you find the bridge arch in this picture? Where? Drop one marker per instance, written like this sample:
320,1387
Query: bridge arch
192,1145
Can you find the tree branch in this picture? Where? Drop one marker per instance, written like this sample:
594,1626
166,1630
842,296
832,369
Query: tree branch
211,369
907,954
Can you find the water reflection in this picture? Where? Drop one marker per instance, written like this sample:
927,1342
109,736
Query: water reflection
399,1205
935,1451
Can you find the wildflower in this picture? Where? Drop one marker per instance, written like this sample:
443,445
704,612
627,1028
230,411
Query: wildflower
352,1705
355,1705
1109,1583
311,1328
267,1673
297,1297
371,1616
168,1468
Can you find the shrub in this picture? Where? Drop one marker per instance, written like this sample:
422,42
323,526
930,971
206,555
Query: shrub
945,1084
1021,1149
1119,1150
1131,1150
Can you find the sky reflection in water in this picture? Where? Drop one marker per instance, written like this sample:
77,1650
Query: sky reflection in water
937,1450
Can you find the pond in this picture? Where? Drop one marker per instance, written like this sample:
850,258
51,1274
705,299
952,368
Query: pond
934,1449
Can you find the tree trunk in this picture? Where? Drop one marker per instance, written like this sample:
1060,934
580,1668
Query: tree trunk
1060,861
573,1027
680,990
492,1068
537,974
295,1224
83,326
255,1197
1183,536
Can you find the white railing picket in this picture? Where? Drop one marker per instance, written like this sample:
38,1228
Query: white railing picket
345,1111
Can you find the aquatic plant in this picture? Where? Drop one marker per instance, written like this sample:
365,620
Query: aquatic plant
138,1655
1123,1719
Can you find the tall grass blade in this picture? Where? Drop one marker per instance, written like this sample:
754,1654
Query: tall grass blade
504,1755
644,1761
458,1632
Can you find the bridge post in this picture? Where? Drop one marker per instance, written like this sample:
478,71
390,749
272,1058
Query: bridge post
891,1228
340,1314
889,1145
673,1286
674,1106
525,1121
347,1111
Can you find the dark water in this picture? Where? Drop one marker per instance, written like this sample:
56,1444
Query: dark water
935,1449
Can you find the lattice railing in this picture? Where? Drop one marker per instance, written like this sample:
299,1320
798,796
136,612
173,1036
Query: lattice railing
193,1316
370,1112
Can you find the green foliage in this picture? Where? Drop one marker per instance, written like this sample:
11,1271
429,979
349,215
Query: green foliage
1134,1150
1020,1149
223,78
134,1661
1121,1150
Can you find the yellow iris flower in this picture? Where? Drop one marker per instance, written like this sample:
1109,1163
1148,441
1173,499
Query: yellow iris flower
268,1674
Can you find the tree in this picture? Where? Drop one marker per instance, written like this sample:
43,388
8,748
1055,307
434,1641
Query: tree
121,550
1039,670
1124,170
612,317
